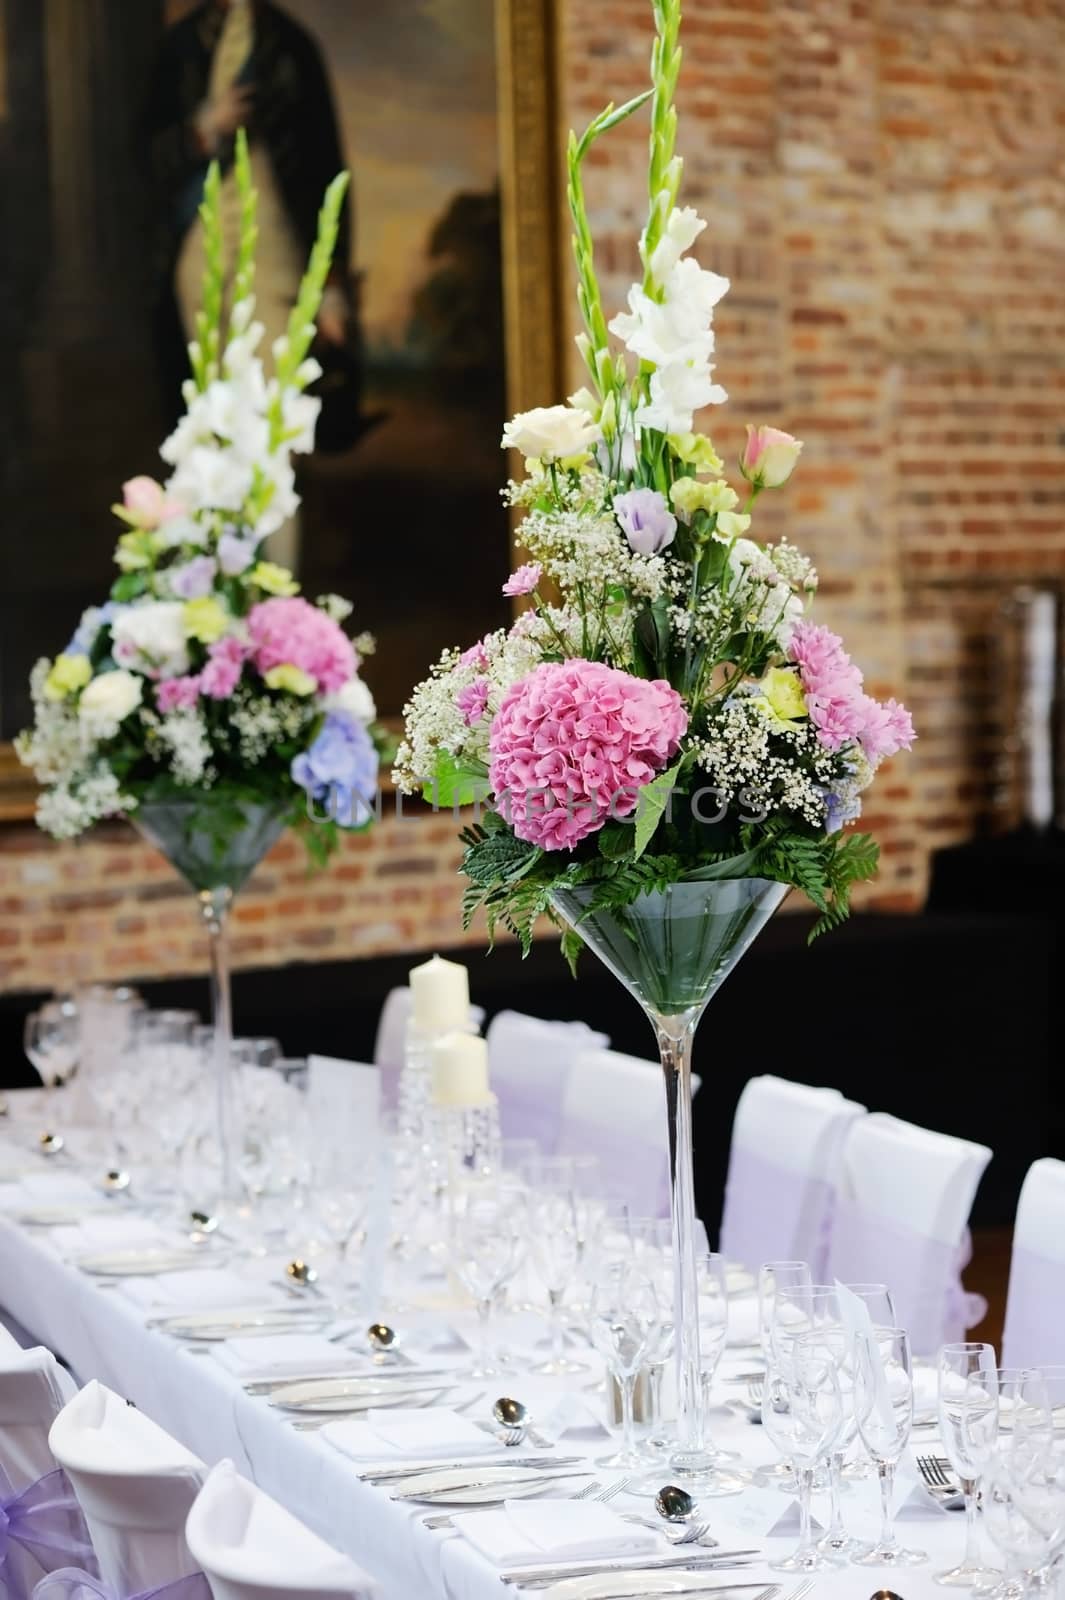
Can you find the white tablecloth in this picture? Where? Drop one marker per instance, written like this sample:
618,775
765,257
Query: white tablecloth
101,1334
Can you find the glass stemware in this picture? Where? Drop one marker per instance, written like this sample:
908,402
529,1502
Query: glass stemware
626,1315
883,1406
485,1239
554,1246
774,1276
968,1421
1007,1508
50,1039
802,1413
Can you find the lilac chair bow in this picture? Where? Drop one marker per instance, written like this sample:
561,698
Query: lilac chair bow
772,1214
71,1584
46,1521
924,1275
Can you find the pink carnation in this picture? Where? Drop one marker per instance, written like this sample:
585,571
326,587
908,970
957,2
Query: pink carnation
573,743
472,700
290,631
225,661
475,656
524,581
177,694
839,708
888,728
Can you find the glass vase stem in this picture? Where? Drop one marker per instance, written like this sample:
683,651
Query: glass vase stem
675,1036
214,908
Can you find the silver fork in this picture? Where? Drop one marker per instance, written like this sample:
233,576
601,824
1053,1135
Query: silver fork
942,1488
800,1591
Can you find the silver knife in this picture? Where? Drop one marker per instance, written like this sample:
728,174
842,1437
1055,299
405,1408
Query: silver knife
258,1386
392,1474
434,1496
764,1592
540,1577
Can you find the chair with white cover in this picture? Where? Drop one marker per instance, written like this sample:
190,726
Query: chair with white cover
136,1485
784,1163
251,1548
1035,1332
529,1064
41,1519
614,1108
902,1212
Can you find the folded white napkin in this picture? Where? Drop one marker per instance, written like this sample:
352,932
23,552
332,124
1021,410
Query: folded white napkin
284,1355
553,1530
118,1232
411,1435
743,1326
48,1188
198,1289
925,1394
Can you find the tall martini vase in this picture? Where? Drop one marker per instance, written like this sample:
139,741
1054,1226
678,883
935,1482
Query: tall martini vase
672,949
215,842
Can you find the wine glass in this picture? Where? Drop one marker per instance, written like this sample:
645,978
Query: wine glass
837,1340
802,1413
554,1247
883,1405
774,1276
50,1040
968,1421
485,1240
1007,1503
626,1315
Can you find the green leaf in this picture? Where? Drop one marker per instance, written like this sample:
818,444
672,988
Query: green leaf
456,784
651,806
615,840
652,631
741,866
129,586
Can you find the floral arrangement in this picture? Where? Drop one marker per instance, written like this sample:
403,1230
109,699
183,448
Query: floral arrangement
206,675
664,709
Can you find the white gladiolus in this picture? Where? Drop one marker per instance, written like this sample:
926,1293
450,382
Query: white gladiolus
677,391
107,700
551,433
682,230
151,638
212,478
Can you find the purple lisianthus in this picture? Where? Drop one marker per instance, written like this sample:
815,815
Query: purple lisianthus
645,520
235,555
194,578
340,770
840,808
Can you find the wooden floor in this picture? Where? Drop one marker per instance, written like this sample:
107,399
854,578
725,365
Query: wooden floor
988,1274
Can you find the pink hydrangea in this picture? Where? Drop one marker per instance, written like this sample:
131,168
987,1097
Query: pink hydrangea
472,701
177,694
290,631
573,743
221,674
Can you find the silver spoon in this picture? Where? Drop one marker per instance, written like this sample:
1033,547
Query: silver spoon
513,1419
51,1144
116,1180
885,1594
673,1504
304,1276
381,1337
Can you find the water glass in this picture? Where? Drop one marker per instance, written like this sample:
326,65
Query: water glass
485,1242
626,1316
554,1246
883,1408
774,1276
968,1422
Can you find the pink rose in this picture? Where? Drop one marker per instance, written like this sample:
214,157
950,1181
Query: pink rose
769,456
147,503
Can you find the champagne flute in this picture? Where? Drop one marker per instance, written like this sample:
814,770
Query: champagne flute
883,1405
485,1241
626,1315
968,1422
774,1276
802,1413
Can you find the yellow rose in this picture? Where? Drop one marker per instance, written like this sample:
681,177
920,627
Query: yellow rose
292,679
273,579
68,675
205,619
731,525
696,450
781,698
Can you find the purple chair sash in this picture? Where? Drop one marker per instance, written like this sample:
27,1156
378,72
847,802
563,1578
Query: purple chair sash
70,1584
924,1275
531,1107
772,1214
1034,1335
635,1172
46,1521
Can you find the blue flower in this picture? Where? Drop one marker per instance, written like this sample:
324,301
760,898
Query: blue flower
340,769
92,620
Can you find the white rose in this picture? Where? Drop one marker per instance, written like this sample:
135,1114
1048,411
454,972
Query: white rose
107,700
551,433
682,230
354,699
151,637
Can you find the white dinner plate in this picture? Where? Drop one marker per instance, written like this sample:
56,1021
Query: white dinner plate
354,1394
229,1320
60,1216
605,1584
143,1263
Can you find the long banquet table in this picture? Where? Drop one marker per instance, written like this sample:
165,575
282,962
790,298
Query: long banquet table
100,1333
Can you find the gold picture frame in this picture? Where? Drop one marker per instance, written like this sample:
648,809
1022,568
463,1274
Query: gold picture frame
531,169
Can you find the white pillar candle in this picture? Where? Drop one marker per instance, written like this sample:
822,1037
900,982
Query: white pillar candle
460,1070
440,996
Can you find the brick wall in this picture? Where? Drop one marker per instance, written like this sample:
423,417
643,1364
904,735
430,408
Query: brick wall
109,907
885,186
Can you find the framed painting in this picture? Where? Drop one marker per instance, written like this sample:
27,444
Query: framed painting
445,311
